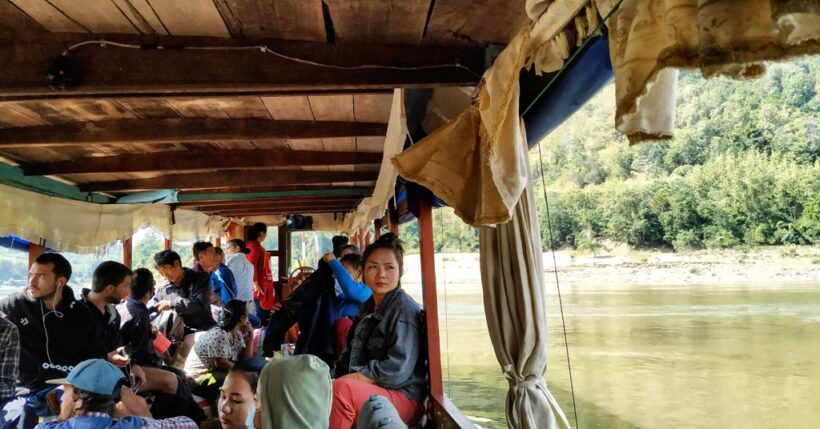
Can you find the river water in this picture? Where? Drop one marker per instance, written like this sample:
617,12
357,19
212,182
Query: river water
642,357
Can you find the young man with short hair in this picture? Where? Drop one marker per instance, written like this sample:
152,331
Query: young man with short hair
54,329
93,396
173,395
109,285
185,291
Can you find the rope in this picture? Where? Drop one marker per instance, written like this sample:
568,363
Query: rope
558,286
591,35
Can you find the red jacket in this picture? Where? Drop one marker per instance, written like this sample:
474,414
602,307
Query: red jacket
260,259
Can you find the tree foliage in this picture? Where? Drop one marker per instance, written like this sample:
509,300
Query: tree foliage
743,169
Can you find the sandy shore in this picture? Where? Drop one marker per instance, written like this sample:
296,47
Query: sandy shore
762,267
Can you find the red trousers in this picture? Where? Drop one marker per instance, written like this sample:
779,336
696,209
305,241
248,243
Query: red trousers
349,395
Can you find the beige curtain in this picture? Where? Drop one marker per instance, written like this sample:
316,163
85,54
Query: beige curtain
514,304
477,162
650,39
78,226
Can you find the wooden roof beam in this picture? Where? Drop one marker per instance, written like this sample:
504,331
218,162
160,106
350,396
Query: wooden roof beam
179,130
200,205
205,160
181,69
294,191
222,179
274,204
301,210
254,191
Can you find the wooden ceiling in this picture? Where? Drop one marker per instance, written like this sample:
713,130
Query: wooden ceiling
187,98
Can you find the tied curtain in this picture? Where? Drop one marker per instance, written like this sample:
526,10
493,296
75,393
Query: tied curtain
514,303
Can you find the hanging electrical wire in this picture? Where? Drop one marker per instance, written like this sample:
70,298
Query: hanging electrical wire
264,49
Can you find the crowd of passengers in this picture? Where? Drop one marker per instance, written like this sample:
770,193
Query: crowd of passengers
128,353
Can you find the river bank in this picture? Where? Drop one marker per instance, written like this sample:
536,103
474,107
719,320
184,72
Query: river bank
621,267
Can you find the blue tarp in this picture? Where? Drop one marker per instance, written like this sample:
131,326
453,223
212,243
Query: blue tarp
582,79
16,243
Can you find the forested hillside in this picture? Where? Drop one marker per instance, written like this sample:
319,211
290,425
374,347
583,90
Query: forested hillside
743,169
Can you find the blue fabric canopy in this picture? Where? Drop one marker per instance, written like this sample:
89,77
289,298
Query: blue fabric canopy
16,243
581,80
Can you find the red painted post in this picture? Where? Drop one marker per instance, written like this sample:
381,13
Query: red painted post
428,282
284,251
218,242
167,244
34,250
127,251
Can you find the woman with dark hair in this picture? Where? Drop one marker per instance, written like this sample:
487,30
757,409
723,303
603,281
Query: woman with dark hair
238,401
216,350
263,292
385,350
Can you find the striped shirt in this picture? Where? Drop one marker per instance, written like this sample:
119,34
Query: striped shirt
104,421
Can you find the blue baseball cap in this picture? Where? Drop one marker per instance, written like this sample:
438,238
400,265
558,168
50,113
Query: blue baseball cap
93,375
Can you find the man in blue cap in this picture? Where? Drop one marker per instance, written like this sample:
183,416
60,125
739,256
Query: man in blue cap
94,397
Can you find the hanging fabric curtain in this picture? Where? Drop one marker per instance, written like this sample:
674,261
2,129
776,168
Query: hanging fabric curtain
78,226
477,162
650,39
514,304
374,206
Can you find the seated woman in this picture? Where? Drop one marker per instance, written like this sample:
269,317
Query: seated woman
384,355
217,349
295,393
238,400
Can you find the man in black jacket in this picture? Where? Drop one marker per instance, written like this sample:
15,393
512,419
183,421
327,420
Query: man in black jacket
56,331
186,292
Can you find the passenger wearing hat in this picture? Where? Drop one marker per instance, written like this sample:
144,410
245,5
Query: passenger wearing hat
242,271
93,395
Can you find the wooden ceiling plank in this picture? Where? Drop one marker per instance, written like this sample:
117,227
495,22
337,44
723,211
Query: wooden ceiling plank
188,130
387,21
200,161
496,21
147,12
48,16
117,71
372,107
101,17
256,207
224,107
281,19
190,17
14,20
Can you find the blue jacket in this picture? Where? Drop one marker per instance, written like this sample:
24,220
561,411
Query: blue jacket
351,294
224,283
104,421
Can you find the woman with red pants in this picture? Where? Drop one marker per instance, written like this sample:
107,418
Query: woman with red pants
385,351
